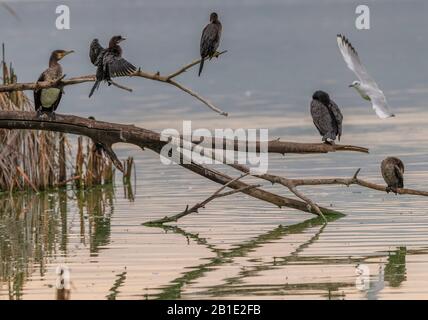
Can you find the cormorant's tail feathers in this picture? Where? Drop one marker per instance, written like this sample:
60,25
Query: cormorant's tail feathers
201,66
96,86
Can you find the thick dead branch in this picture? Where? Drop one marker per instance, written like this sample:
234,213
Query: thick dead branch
139,73
196,207
111,133
274,146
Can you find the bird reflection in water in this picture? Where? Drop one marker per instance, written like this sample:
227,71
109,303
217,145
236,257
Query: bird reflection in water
63,283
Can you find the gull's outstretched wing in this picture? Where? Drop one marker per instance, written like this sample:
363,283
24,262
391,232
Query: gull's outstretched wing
380,106
352,60
369,85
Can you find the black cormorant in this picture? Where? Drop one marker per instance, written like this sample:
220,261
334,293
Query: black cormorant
326,116
47,100
392,172
210,39
109,62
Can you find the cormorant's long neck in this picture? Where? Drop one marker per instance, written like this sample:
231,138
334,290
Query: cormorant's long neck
53,61
116,49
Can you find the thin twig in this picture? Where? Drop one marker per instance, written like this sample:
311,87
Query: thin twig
357,181
196,62
286,183
120,86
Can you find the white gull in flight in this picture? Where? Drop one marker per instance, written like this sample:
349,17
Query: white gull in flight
366,86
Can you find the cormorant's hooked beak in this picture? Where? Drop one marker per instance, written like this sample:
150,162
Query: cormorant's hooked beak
122,39
351,85
67,53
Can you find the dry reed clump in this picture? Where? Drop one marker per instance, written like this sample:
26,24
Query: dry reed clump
40,160
28,159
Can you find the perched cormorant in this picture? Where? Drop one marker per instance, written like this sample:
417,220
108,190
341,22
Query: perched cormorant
109,62
392,172
326,116
47,100
210,39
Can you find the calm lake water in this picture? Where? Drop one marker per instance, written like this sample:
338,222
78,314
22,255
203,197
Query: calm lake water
279,52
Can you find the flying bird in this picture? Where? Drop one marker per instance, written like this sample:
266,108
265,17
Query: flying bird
326,116
47,100
392,172
366,86
109,62
210,39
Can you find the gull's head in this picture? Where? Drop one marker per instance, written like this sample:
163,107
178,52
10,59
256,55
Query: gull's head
355,84
322,97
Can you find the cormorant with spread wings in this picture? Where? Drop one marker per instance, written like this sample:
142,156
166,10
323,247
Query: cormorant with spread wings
109,62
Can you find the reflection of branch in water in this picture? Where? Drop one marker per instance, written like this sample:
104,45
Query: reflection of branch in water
226,256
191,236
114,292
222,289
223,256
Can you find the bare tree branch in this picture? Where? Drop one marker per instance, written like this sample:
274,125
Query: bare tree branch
111,133
355,180
196,62
139,73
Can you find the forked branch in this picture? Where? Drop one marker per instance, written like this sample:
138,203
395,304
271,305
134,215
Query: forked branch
111,133
139,73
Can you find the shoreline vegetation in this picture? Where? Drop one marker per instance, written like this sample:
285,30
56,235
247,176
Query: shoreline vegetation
39,160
